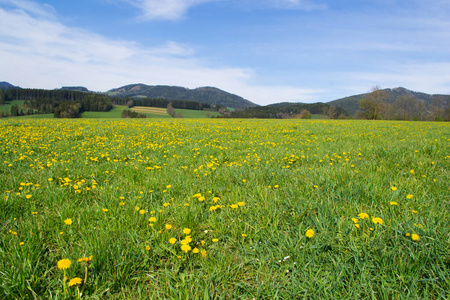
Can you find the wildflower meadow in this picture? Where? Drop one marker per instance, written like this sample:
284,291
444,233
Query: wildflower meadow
224,209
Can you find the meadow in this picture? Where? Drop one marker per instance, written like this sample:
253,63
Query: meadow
224,209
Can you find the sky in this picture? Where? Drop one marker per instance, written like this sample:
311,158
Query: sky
266,51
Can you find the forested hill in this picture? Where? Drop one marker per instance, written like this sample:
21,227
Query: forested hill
75,88
351,104
6,86
209,95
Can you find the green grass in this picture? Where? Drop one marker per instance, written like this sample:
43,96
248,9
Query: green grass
7,107
318,117
256,186
36,116
188,113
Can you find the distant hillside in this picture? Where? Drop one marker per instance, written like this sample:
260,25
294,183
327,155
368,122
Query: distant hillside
209,95
75,88
351,104
286,110
6,86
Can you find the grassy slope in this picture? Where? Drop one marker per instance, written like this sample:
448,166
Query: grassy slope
7,107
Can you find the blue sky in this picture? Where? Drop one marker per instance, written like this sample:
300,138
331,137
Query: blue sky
266,51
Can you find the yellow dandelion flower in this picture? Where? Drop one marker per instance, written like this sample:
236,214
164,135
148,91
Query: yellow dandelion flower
355,220
105,210
64,264
408,234
357,225
393,188
409,196
122,203
185,248
234,206
243,235
152,219
412,171
142,212
215,240
168,186
68,221
377,221
363,216
309,233
216,199
195,250
75,281
28,196
241,203
168,226
147,247
85,259
203,252
201,198
393,203
415,237
166,204
186,231
172,240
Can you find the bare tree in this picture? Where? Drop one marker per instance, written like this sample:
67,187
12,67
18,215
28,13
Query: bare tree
170,109
374,103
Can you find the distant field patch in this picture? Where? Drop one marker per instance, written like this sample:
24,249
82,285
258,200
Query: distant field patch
150,110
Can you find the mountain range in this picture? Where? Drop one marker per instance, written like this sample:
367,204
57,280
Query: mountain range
215,96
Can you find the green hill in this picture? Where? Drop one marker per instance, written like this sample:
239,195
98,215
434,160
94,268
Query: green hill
351,104
209,95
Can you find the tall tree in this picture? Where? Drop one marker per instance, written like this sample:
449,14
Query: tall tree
374,103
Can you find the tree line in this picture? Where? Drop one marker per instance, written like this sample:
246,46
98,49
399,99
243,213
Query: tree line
302,110
132,114
378,105
162,103
62,103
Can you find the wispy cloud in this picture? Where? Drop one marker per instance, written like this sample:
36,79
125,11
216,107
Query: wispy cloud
151,10
298,4
164,9
30,7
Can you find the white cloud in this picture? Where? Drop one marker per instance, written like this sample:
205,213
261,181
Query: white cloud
40,53
298,4
164,9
